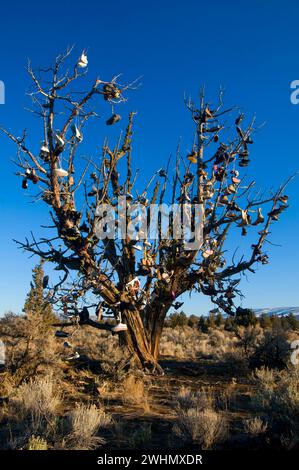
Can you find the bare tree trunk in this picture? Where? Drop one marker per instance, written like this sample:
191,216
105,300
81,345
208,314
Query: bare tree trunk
142,344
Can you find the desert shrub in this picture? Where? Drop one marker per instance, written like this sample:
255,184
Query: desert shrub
187,399
32,410
36,401
37,443
273,351
255,426
204,428
245,317
141,437
277,397
84,422
177,319
31,347
197,422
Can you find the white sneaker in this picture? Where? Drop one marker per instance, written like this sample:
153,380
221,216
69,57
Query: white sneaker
75,356
119,327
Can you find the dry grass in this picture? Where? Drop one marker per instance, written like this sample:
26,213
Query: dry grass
197,422
255,426
37,443
50,403
84,422
135,391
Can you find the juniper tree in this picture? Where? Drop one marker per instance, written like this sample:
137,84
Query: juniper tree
36,303
141,276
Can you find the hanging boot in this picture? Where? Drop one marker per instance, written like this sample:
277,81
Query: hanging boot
25,183
260,218
113,119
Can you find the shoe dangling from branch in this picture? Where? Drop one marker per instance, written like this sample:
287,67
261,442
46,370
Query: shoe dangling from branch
83,60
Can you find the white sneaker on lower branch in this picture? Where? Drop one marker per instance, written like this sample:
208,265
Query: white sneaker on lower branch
119,327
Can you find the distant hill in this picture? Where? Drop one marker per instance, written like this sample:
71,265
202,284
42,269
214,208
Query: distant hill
279,311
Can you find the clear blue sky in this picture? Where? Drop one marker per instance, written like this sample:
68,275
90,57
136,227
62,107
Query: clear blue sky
250,48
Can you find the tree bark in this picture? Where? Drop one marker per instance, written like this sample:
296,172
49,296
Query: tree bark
141,343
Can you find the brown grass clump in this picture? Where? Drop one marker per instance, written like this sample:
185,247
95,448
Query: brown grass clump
37,443
255,426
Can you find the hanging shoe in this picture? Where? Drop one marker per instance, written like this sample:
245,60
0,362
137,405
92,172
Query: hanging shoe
84,315
59,140
45,282
208,113
137,247
223,200
231,189
113,119
244,231
35,179
192,157
220,174
119,327
61,334
71,181
284,199
111,92
260,218
275,213
244,219
178,305
82,61
76,133
99,311
142,200
202,173
73,357
236,180
162,173
44,153
25,183
207,253
60,172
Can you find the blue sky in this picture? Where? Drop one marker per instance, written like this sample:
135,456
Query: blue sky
251,49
